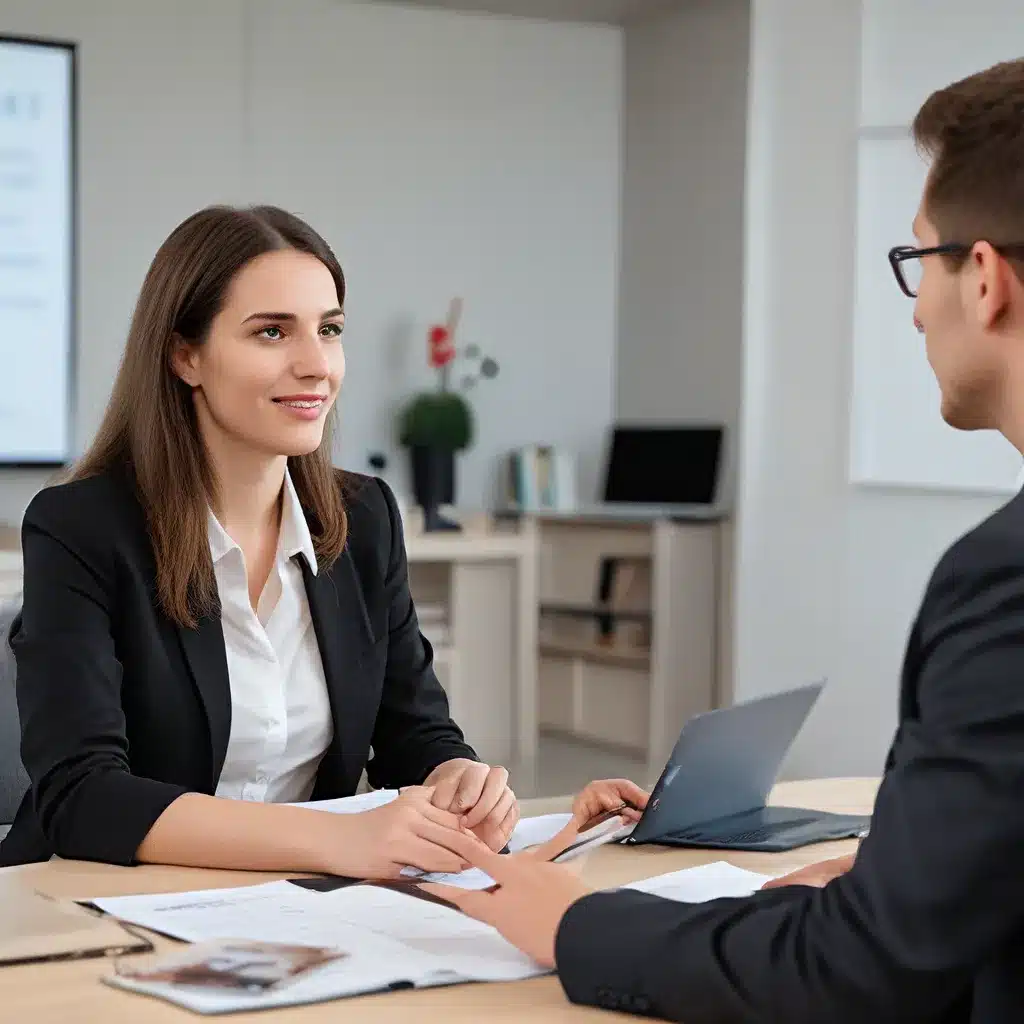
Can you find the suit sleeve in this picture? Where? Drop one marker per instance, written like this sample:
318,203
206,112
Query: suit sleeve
936,887
414,732
88,803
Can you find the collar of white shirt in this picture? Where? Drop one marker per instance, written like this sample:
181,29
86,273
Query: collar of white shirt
295,537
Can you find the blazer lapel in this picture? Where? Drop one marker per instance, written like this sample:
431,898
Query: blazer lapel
343,633
208,663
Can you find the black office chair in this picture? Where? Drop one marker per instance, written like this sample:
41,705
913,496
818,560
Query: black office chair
13,780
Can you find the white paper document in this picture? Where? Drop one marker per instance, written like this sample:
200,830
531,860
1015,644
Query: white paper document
537,830
707,882
393,940
353,804
378,927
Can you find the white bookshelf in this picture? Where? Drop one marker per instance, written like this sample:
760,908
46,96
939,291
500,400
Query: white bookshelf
627,671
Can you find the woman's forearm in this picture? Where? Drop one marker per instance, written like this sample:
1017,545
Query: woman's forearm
210,832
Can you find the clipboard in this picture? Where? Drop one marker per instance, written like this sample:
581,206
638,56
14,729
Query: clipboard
36,929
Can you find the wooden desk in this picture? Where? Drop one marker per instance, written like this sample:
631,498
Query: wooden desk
57,993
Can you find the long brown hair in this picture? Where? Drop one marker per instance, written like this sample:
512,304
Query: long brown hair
150,427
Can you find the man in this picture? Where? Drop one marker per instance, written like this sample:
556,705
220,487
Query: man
927,923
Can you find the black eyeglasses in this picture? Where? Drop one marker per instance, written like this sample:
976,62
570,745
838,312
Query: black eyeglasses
904,260
906,265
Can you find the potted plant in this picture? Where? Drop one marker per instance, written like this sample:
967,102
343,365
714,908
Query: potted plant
435,425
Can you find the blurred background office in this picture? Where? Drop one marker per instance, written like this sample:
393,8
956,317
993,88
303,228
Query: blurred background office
640,230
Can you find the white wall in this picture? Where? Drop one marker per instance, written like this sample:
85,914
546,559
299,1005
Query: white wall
439,153
681,313
912,47
160,119
829,576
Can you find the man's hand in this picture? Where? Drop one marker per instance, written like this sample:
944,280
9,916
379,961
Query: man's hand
526,905
480,795
609,795
817,875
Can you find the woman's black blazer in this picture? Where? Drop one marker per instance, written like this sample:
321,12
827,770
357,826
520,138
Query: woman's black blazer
122,710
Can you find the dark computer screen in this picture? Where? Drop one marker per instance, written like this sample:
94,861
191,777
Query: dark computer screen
661,465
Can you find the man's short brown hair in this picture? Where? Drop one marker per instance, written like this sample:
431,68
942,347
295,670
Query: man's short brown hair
973,133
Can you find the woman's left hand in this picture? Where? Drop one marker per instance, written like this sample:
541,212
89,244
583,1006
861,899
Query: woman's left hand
609,795
480,794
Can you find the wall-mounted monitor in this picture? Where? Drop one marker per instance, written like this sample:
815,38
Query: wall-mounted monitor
37,251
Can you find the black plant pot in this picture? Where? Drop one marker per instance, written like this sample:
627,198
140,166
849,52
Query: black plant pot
433,484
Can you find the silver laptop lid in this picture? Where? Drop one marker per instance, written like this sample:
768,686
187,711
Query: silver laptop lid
726,761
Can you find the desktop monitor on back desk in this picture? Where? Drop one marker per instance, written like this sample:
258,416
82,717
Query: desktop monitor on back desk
663,466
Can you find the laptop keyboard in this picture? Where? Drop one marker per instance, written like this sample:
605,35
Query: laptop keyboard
744,836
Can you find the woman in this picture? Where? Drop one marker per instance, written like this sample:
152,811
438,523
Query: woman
216,622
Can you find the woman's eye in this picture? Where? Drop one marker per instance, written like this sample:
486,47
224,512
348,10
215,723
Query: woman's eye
271,333
331,330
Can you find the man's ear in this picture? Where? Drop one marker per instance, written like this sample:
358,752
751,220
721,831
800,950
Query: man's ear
989,284
184,360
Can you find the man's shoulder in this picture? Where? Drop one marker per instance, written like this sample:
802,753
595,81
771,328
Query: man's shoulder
997,539
991,553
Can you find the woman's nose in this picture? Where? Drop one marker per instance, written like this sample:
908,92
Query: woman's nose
311,358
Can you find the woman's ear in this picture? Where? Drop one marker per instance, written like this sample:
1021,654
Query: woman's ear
185,361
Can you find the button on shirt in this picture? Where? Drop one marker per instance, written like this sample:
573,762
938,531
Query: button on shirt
281,721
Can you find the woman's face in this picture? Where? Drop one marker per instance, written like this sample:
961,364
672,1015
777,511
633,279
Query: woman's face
271,366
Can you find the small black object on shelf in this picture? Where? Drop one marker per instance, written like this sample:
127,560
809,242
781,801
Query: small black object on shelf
433,484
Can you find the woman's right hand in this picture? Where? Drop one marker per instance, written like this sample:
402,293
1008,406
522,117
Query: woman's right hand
408,832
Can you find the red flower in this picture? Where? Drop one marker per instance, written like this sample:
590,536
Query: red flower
441,350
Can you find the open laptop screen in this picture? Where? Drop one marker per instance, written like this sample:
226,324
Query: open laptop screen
661,465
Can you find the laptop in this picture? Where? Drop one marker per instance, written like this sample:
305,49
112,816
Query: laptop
660,471
714,790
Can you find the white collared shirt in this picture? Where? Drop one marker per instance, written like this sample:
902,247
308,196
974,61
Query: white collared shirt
281,721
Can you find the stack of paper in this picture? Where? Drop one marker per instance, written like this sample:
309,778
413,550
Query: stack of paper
392,939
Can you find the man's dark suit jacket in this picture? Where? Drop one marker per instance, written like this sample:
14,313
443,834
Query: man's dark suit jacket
929,923
122,711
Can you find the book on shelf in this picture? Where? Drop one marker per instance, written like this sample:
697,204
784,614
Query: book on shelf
624,585
540,477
